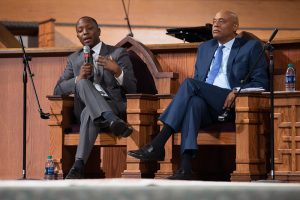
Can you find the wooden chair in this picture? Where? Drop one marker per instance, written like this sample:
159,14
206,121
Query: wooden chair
141,114
247,135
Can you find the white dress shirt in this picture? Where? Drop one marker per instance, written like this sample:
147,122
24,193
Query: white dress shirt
221,79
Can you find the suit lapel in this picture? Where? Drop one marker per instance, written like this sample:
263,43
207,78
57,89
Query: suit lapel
234,51
103,52
209,57
80,59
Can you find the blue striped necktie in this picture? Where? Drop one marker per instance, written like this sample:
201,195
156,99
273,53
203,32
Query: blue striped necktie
212,74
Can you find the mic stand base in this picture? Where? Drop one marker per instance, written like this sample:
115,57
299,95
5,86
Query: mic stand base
268,181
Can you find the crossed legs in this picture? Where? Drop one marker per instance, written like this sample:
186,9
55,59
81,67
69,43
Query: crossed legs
195,105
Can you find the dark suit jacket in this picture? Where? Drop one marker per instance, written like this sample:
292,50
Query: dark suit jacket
66,83
243,55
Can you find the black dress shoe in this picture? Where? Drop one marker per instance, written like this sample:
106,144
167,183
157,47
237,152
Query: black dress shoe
148,152
101,123
120,128
74,174
182,175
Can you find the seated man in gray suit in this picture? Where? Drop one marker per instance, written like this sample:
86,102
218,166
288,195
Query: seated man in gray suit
221,65
99,85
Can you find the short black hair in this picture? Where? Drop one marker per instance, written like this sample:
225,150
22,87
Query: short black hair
88,18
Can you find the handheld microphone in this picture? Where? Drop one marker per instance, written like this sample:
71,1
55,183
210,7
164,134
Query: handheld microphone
86,54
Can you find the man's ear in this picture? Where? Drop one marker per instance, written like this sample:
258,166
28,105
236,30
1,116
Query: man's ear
235,26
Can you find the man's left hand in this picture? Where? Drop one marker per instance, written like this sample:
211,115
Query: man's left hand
229,99
109,64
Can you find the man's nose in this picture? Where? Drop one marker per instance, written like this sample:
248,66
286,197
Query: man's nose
85,31
216,23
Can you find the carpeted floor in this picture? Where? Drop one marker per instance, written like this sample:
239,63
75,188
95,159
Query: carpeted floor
145,189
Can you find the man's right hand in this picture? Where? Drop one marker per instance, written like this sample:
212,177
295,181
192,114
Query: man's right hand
85,71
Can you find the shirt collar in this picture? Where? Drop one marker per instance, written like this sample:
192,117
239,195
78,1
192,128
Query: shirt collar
97,48
228,44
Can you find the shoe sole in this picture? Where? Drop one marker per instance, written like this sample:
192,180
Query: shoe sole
121,129
142,158
74,176
128,132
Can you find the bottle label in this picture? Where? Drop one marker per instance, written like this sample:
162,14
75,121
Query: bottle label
290,79
50,171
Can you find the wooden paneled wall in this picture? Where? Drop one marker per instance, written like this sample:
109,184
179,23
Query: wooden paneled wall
253,13
150,18
47,65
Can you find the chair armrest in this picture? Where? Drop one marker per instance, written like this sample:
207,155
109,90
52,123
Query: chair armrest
61,111
141,105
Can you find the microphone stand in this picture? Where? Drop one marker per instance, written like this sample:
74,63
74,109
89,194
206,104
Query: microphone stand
127,19
225,115
270,48
42,114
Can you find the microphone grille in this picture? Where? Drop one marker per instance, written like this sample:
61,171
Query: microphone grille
86,49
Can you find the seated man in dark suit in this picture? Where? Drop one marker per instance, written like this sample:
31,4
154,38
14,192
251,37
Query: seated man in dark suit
222,63
99,86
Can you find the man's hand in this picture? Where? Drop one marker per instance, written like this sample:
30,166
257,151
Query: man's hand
229,99
110,64
85,71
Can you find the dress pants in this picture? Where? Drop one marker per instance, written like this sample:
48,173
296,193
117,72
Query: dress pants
195,105
91,104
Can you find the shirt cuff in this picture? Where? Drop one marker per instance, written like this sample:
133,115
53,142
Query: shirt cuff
120,78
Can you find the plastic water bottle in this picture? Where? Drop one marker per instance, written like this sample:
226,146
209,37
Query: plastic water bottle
49,169
290,78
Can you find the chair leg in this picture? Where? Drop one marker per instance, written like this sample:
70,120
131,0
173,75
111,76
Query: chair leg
136,168
166,166
141,114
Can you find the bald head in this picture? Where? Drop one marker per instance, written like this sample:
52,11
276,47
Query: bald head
230,14
225,25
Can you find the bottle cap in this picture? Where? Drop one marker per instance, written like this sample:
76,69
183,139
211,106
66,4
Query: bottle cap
50,157
290,65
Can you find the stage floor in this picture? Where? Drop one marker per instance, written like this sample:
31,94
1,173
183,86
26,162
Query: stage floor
144,189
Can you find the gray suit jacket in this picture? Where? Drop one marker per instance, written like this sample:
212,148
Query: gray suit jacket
66,83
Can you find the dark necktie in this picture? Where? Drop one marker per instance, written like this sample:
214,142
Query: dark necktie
97,75
212,74
95,68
